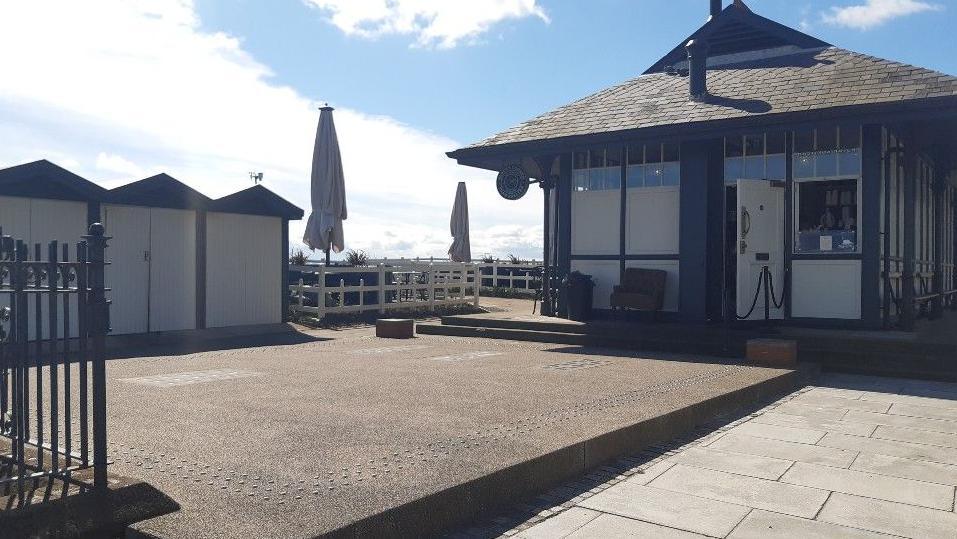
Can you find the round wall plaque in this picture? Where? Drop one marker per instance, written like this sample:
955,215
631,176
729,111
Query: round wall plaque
512,182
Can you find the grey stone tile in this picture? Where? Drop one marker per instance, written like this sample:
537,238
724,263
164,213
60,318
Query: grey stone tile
937,425
779,449
907,450
649,473
810,411
916,410
613,527
766,525
835,392
917,436
738,489
561,525
933,472
871,485
739,463
833,401
937,402
777,432
845,427
668,508
889,517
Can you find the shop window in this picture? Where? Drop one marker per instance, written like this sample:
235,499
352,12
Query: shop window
596,170
754,157
653,165
826,216
827,152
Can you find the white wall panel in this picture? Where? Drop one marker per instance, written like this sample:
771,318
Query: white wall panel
652,220
671,282
243,269
58,220
128,274
172,270
605,273
596,222
826,289
15,217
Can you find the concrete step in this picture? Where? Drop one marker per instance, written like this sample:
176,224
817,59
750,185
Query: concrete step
650,342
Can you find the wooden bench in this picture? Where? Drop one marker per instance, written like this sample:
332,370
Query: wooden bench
641,290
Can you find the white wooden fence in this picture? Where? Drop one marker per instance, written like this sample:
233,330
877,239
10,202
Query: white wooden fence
407,286
499,274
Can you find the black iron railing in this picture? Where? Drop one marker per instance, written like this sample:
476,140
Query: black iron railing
53,322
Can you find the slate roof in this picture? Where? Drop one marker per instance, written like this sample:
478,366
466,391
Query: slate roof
257,200
804,81
44,179
160,191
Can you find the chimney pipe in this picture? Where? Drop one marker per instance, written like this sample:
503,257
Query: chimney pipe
715,8
697,69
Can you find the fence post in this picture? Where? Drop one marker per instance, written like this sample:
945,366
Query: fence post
321,304
381,282
495,273
431,279
362,287
342,292
99,312
299,294
477,286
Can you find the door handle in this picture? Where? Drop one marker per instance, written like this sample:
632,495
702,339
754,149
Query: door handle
146,256
745,222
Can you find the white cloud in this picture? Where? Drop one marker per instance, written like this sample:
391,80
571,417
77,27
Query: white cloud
874,13
441,23
116,90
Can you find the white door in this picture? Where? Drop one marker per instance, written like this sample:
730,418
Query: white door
128,276
172,283
760,244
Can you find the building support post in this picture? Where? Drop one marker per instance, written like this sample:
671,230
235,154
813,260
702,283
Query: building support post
910,238
563,214
937,190
545,163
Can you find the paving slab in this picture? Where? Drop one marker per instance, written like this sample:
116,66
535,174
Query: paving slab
944,455
742,490
777,432
871,485
889,517
933,472
766,525
926,423
739,463
348,433
917,436
814,454
560,525
614,527
946,402
786,420
810,411
822,400
668,508
916,410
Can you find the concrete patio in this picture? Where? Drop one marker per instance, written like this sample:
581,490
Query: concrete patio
850,456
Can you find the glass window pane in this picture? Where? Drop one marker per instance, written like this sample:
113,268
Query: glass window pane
733,147
827,139
653,175
596,179
580,179
849,162
670,152
733,169
613,157
754,145
775,142
580,160
776,167
804,140
636,176
826,216
613,177
671,173
804,166
826,164
636,154
754,167
652,153
596,158
850,137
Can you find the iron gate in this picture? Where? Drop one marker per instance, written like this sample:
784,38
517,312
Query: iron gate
53,321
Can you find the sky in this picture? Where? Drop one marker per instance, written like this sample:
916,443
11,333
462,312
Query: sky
210,90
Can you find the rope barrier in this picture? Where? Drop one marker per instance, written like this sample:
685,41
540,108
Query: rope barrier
766,280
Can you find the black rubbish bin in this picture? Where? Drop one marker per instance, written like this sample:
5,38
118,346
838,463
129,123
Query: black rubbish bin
579,288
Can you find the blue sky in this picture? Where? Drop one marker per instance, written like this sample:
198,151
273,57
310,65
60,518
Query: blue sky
523,67
208,90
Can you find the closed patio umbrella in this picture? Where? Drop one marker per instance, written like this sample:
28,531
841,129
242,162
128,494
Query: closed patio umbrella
460,251
324,228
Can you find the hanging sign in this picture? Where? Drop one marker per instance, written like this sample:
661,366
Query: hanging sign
512,182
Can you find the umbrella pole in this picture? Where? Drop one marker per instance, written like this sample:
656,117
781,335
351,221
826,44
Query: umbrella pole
329,248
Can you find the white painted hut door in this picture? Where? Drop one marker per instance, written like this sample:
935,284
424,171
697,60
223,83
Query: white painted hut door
128,275
760,243
153,276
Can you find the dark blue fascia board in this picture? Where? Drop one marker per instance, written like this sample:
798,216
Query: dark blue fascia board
491,157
